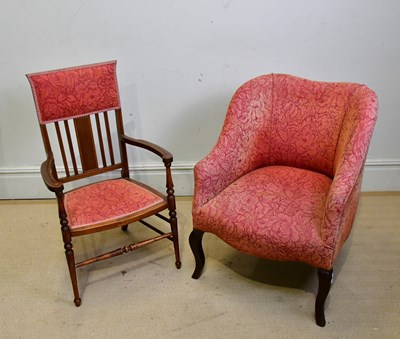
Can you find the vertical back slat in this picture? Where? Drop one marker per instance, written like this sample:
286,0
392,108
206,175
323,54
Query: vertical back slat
61,144
87,149
46,139
71,147
110,146
122,145
47,146
86,141
100,135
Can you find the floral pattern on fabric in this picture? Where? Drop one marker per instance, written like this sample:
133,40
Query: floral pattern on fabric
285,121
74,92
105,201
273,212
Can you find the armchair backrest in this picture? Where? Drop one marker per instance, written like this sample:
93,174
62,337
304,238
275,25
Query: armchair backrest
286,120
76,104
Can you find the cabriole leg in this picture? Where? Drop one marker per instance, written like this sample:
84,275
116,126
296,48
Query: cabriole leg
325,279
195,241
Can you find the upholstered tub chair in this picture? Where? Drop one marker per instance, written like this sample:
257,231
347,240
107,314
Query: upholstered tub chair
283,180
79,111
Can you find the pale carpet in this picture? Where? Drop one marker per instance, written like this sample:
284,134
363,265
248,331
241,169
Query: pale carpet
143,295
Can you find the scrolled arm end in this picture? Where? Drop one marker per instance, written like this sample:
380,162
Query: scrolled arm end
47,170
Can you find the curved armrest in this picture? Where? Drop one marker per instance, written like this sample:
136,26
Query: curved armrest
211,175
340,211
161,152
243,144
50,180
234,155
351,153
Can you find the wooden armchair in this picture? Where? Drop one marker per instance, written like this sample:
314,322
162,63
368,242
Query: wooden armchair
80,108
283,181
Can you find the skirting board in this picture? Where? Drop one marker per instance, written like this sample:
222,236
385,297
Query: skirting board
26,183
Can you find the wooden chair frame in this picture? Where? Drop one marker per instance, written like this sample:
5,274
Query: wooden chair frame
91,167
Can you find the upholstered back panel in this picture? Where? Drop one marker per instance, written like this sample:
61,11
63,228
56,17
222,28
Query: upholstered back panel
306,122
75,92
287,120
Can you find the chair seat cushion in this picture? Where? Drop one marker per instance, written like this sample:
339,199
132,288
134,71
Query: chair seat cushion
273,212
107,200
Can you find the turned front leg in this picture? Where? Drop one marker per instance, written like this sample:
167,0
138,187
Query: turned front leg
172,211
69,252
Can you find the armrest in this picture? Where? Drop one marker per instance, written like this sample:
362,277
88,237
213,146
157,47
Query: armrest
228,161
210,177
236,153
161,152
351,153
340,212
50,180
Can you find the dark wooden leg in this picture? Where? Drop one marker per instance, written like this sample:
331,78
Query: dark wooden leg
72,271
325,279
69,253
124,228
172,211
173,221
195,239
174,229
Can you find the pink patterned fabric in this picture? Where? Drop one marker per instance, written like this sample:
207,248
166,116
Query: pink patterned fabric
105,201
284,178
274,212
74,92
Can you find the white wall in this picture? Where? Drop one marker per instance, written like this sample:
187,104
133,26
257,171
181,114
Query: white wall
179,62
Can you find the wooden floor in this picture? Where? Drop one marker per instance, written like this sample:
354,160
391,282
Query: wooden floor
143,295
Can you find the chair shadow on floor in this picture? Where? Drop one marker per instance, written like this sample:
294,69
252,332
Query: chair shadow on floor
296,275
121,265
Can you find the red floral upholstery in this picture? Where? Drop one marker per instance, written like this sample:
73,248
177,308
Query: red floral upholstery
73,92
284,178
106,201
86,148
